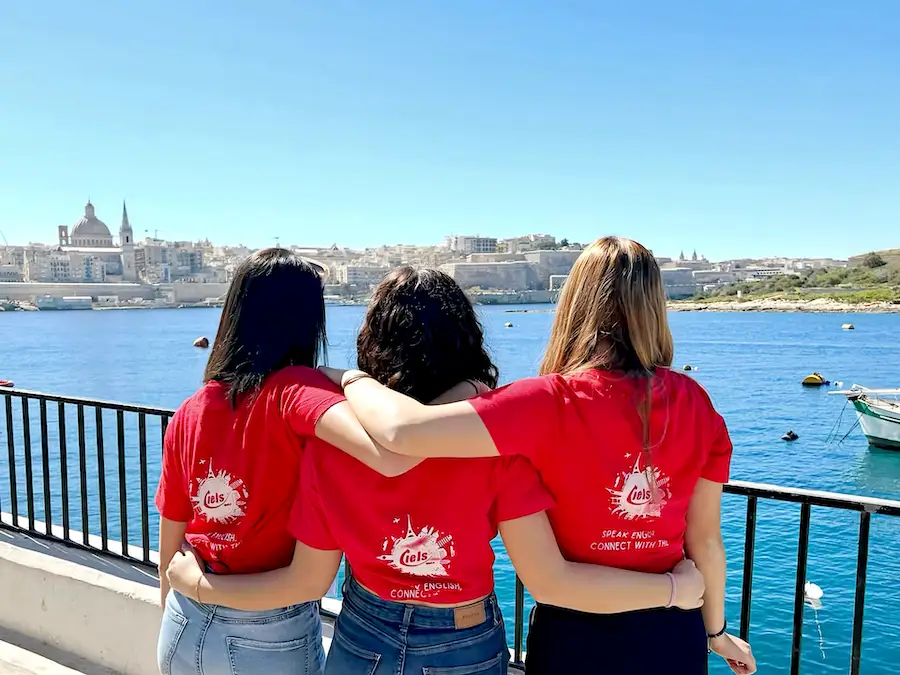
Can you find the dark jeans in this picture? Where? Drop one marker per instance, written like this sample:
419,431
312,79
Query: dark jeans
670,641
377,637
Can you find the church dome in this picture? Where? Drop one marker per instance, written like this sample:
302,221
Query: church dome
90,226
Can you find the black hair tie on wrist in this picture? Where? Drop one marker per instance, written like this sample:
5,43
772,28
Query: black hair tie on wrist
719,634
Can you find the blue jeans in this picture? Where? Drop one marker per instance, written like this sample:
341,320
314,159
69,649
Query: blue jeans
197,639
377,637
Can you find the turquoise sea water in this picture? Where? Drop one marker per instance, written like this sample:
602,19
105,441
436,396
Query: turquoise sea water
750,363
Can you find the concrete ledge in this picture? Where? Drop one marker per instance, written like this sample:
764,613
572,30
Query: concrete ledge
15,660
107,621
87,612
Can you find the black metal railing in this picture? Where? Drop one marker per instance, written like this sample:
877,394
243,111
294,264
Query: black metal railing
138,454
109,444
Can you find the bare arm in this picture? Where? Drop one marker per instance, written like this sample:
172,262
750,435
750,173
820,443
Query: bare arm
407,427
171,537
307,578
552,579
703,544
339,426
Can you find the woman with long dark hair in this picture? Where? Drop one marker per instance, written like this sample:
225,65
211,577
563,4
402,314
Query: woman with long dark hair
421,594
634,454
231,465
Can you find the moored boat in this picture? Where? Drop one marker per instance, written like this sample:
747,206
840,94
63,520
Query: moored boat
879,414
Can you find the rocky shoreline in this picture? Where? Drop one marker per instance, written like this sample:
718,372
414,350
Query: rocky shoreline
819,305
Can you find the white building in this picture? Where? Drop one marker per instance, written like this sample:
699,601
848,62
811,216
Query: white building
92,255
359,275
467,244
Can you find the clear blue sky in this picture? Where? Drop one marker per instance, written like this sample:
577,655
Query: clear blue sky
739,128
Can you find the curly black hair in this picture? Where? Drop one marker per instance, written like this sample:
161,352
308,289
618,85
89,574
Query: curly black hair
421,335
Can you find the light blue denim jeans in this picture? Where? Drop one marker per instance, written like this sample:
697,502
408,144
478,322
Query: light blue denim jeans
377,637
197,639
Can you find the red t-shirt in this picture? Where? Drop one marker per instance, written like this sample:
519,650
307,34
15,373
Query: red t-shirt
584,435
424,536
232,474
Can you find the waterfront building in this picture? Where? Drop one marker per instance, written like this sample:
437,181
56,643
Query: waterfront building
466,244
360,276
87,254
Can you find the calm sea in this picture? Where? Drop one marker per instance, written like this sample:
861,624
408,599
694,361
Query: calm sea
751,364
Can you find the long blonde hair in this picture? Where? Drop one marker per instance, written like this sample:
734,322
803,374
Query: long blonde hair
611,315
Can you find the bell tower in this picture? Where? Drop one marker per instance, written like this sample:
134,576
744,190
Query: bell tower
126,241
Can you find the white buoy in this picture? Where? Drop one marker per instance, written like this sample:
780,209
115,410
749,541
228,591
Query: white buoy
813,591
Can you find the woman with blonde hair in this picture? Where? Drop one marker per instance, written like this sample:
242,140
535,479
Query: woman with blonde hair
633,453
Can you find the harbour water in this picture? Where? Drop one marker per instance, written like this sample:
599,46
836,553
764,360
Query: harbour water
751,364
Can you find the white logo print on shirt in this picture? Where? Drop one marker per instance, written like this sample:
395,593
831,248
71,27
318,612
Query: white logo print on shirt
422,555
220,498
632,498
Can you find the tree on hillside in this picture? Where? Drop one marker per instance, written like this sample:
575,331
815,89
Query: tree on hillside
563,242
873,260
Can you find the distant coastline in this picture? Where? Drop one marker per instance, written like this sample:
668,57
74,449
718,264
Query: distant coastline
817,306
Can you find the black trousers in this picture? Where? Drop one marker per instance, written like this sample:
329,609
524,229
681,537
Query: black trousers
565,642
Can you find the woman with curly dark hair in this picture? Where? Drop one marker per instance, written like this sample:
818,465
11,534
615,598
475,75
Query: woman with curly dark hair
421,594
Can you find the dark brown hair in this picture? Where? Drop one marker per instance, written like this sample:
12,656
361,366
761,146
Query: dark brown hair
274,316
421,335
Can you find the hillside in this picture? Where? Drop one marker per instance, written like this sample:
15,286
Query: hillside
872,277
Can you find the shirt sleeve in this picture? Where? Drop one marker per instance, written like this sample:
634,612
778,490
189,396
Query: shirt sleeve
523,417
308,523
306,396
519,490
173,499
718,461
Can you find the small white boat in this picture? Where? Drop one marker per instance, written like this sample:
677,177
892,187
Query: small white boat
879,414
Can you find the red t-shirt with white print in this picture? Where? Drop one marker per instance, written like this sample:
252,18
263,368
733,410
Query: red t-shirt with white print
424,536
232,474
583,433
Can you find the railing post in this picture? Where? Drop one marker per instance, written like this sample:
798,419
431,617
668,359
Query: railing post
859,603
45,469
123,494
11,448
82,478
519,638
145,494
747,581
800,589
101,479
63,468
29,475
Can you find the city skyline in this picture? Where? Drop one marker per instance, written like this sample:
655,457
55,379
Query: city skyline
151,234
751,130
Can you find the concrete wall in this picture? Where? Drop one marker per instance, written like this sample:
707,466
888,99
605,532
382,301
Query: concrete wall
100,618
512,276
28,291
188,293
